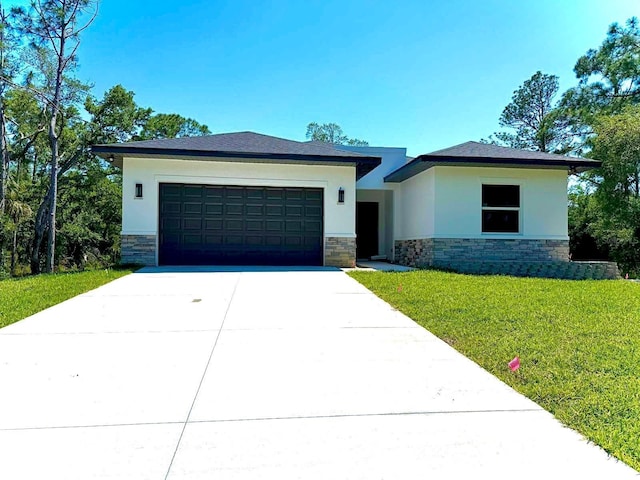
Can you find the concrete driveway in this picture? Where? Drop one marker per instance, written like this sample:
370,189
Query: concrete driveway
261,374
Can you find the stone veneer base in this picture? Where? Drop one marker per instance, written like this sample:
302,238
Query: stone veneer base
339,251
552,269
141,250
138,249
426,251
414,253
517,257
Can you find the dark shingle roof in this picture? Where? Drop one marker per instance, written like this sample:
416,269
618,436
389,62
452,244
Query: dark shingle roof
483,154
240,145
488,150
245,142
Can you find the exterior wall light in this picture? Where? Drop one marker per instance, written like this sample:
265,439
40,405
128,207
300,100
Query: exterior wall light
138,190
341,195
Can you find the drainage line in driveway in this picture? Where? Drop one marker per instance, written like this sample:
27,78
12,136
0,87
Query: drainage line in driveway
106,425
379,414
224,319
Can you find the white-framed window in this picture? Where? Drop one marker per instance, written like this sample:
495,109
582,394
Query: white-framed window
500,208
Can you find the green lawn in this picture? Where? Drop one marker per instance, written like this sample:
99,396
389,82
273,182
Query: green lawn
579,341
22,297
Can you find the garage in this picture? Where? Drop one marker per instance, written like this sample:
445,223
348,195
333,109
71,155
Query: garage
239,198
239,225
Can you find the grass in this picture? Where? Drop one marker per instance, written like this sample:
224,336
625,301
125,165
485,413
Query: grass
578,341
22,297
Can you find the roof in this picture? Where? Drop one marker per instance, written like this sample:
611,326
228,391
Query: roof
239,146
488,155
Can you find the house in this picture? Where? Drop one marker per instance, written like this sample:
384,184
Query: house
251,199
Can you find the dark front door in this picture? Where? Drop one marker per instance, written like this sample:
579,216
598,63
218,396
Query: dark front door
366,229
237,225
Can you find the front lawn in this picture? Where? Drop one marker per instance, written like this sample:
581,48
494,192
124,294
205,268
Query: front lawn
578,341
22,297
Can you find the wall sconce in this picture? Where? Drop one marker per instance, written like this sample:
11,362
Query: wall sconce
341,195
111,158
138,190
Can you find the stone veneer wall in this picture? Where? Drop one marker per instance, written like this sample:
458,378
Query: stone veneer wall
414,253
516,250
138,249
427,251
517,257
339,251
552,269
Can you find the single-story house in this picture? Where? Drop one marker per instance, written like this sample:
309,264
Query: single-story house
251,199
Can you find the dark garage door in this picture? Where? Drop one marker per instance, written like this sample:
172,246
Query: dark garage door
229,225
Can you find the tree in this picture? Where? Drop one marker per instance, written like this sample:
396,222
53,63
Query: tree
331,133
17,212
609,77
17,135
26,124
116,117
54,28
8,68
172,125
616,143
603,113
90,218
538,123
585,216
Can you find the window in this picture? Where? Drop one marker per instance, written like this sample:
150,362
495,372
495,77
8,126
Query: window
500,208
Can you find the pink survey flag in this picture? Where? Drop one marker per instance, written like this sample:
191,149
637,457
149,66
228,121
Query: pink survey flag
514,364
626,276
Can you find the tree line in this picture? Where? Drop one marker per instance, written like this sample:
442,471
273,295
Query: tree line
598,118
60,206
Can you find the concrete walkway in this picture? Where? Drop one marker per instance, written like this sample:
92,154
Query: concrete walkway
261,374
382,267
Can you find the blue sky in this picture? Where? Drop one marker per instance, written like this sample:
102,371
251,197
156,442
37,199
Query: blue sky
419,74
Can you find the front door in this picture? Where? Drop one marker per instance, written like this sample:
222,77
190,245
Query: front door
366,229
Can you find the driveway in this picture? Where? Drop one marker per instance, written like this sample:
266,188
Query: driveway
259,374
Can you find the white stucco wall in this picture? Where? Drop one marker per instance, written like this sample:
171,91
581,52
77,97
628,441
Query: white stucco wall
140,216
388,224
458,201
392,159
414,210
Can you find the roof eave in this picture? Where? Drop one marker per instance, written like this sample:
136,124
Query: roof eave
116,153
425,162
